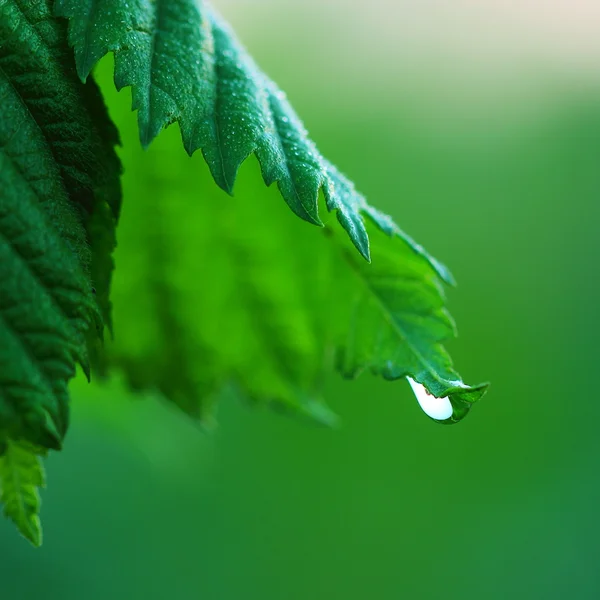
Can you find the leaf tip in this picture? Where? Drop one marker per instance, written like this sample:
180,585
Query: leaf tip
313,214
355,228
33,532
442,270
148,131
318,412
313,219
364,250
82,72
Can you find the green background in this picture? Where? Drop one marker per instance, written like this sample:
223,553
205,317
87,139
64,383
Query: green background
495,169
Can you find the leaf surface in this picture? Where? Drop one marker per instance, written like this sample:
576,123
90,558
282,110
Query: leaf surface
397,322
59,177
185,65
216,292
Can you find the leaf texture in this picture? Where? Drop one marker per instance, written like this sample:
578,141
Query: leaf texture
185,65
21,474
396,322
59,179
202,301
217,292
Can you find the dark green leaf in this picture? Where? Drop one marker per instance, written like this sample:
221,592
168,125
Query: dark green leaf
185,65
59,198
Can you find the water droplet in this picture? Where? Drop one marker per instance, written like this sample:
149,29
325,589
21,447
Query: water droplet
439,409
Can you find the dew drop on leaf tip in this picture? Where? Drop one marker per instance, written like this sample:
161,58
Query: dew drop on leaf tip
439,409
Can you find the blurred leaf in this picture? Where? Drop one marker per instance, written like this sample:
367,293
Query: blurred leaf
239,291
58,174
21,474
185,65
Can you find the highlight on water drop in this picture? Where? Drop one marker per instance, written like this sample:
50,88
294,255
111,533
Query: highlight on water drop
439,409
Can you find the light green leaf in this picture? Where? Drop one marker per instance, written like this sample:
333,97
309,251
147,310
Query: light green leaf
185,65
218,291
21,474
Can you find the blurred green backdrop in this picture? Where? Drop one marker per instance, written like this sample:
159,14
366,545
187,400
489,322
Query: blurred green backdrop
492,164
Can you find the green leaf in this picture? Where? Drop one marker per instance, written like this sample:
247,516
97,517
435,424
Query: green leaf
216,292
59,176
185,65
396,320
21,474
59,199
